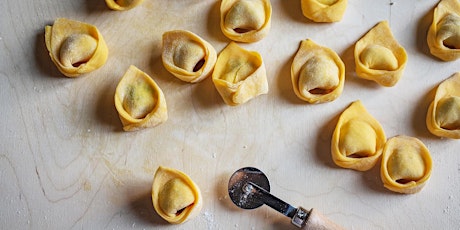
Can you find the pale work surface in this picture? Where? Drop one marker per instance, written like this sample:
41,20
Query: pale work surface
65,162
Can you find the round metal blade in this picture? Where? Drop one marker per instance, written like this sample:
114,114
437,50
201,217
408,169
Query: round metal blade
242,197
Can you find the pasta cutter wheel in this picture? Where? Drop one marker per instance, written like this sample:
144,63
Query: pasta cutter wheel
249,188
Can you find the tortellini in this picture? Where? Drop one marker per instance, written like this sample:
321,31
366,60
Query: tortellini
245,20
75,47
443,37
443,118
139,101
406,164
187,56
317,73
358,139
176,198
379,57
239,75
122,4
323,10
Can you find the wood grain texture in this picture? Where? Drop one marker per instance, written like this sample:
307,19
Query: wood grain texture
65,162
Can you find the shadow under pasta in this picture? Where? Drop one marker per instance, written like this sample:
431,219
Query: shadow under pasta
323,141
43,61
423,25
143,209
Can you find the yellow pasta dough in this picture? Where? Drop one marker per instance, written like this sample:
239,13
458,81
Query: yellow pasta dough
317,73
75,47
245,20
323,10
443,37
443,118
406,164
358,139
379,57
239,75
122,4
187,56
139,101
176,198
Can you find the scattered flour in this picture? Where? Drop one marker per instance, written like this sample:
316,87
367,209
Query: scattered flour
209,219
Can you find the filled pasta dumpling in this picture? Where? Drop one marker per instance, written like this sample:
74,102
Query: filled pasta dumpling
443,117
139,101
406,164
323,10
379,57
239,75
187,56
317,73
75,47
176,198
122,4
358,139
443,36
245,20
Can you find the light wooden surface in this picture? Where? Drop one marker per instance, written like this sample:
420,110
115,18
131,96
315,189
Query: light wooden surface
65,162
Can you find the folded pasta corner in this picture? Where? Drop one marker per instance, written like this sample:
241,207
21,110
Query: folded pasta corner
122,4
324,10
379,57
317,73
358,139
75,47
239,75
245,20
187,56
406,165
443,36
139,101
443,116
175,197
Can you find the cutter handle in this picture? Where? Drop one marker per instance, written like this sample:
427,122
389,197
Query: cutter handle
317,221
